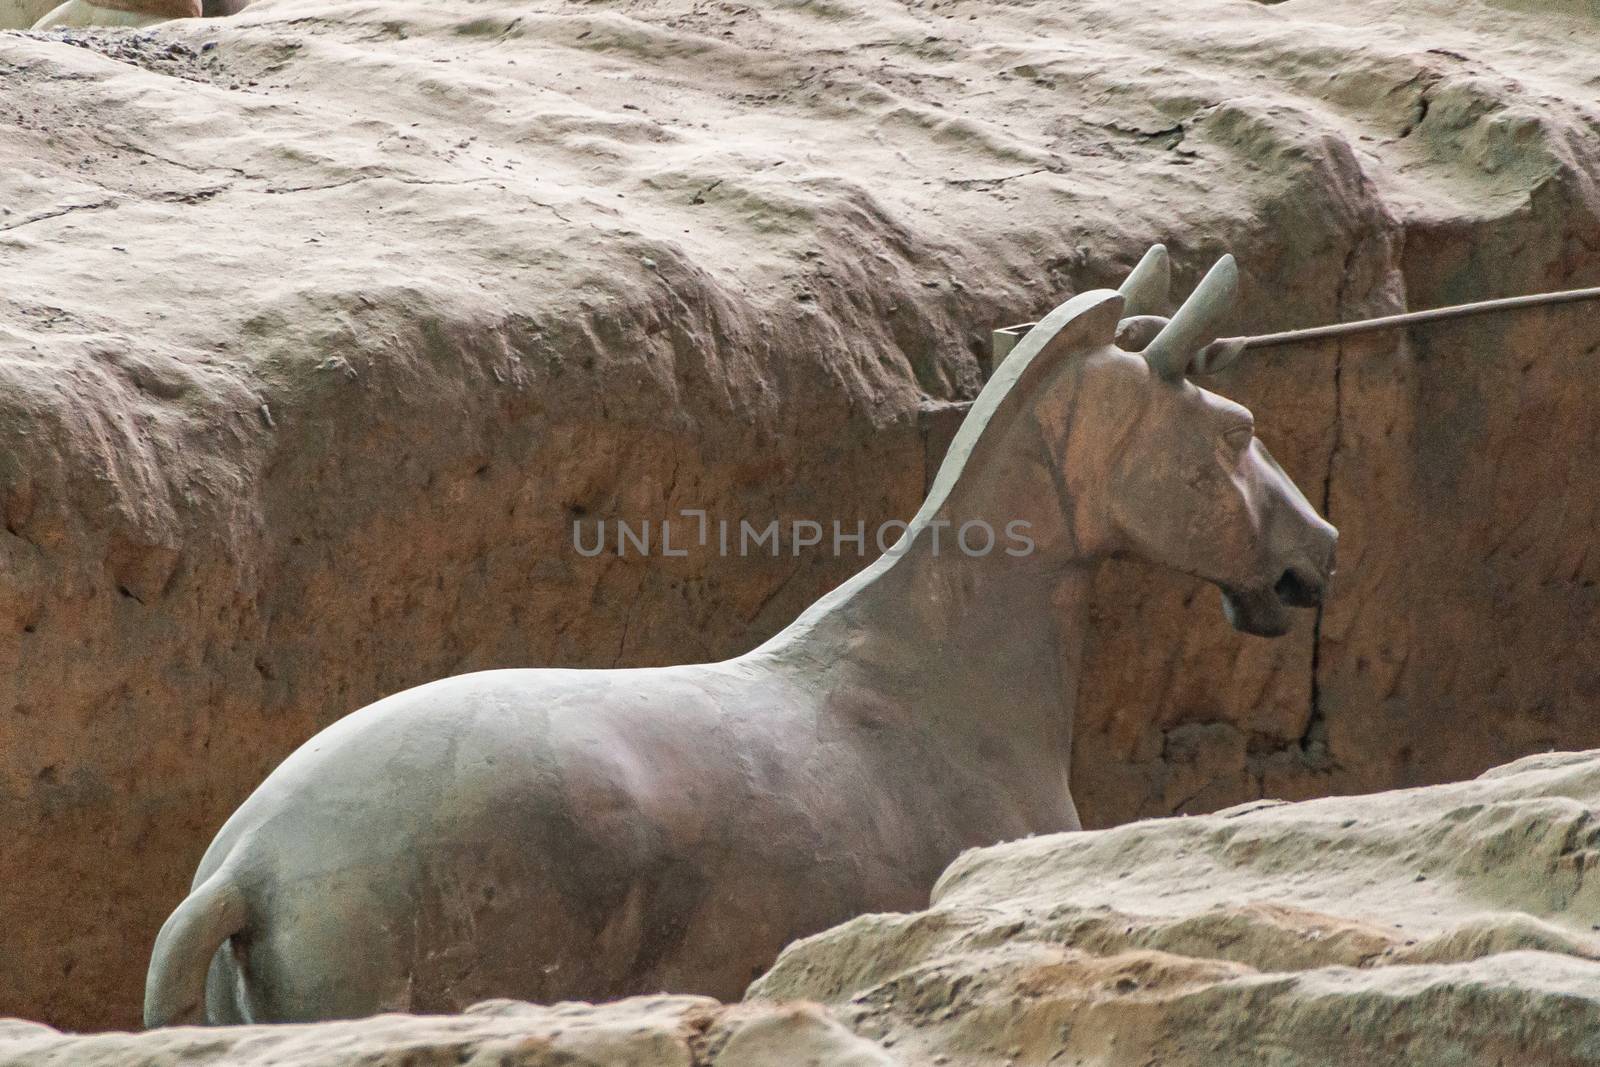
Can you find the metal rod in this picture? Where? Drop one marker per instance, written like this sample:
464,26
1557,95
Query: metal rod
1411,318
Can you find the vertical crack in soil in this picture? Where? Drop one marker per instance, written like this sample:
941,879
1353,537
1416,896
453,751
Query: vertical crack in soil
1314,741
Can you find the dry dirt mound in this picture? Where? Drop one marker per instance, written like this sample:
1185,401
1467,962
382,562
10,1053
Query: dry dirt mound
641,1032
1452,924
319,325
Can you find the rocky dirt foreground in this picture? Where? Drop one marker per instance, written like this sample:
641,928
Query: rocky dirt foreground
320,325
1444,925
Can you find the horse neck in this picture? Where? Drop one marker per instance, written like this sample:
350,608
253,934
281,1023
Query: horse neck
983,651
976,655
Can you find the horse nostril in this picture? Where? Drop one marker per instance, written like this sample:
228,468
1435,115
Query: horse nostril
1297,591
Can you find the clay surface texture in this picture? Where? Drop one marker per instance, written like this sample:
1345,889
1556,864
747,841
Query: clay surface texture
1452,924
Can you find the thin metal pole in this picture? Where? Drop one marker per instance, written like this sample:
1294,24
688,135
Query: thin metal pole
1410,318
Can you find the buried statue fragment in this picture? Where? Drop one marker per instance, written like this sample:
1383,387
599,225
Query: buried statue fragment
108,14
583,835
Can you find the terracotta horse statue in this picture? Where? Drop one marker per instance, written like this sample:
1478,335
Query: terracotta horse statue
589,834
110,14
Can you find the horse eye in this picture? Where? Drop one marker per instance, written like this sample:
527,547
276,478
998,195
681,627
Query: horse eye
1240,436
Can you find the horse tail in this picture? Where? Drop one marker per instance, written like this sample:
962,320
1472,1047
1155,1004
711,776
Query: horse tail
175,987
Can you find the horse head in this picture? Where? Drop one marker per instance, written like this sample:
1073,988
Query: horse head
1150,465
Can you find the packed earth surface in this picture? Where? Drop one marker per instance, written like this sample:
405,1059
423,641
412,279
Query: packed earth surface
322,325
1444,924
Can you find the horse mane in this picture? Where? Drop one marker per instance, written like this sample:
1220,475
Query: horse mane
1084,322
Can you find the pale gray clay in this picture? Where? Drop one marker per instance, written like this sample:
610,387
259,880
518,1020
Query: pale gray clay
82,14
570,834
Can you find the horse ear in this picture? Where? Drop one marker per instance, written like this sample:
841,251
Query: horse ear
1218,355
1197,323
1146,290
1136,332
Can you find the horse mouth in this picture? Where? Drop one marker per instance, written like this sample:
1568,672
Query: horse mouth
1299,589
1264,612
